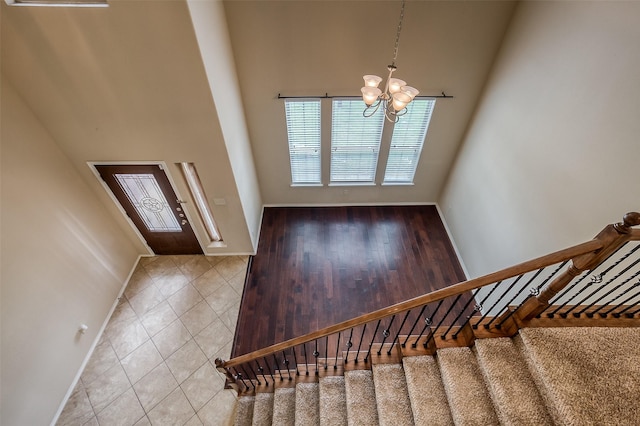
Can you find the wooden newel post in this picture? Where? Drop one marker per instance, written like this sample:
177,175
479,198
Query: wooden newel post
611,237
231,381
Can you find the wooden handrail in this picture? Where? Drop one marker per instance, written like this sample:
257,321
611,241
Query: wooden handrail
583,256
434,296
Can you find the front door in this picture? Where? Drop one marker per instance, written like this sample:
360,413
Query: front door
145,193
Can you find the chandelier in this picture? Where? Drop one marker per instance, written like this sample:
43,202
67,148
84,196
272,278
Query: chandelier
396,95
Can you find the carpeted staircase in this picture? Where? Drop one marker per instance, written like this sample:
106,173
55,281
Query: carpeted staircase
543,376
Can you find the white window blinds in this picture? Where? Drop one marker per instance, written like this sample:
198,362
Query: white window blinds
355,142
406,143
303,128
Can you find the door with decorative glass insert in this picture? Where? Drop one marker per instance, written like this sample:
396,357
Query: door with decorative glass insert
146,195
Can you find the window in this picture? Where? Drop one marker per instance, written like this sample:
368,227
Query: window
355,142
197,192
147,198
406,143
303,129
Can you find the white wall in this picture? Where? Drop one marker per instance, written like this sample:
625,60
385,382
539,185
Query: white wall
213,41
64,261
551,155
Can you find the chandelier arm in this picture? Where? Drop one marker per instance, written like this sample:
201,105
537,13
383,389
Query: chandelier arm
385,94
373,108
391,116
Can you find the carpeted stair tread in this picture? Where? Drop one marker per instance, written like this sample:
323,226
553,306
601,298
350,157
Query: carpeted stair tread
467,393
426,391
333,401
244,411
361,398
307,404
284,407
263,410
591,374
514,393
392,396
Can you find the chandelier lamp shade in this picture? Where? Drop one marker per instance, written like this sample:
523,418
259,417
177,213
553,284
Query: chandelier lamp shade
396,95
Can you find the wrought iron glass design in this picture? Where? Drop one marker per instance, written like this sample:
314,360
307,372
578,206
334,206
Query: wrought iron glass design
147,198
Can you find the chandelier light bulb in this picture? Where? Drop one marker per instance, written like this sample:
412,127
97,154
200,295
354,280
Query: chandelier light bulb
372,80
400,101
370,94
395,85
411,91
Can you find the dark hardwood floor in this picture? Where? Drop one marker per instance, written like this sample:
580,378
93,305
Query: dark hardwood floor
319,266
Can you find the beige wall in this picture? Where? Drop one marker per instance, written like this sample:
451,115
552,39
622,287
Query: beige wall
309,48
213,42
64,261
127,84
550,156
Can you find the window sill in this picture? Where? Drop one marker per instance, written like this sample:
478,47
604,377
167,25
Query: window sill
352,184
398,184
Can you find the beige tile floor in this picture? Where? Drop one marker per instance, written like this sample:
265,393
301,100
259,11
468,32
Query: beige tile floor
155,361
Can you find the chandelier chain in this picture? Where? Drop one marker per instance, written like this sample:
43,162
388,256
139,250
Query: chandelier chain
395,48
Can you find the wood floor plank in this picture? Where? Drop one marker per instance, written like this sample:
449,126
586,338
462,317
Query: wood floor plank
318,266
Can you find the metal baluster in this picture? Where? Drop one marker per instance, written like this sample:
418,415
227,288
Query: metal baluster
266,363
427,323
371,344
488,325
414,326
618,275
306,363
448,312
349,344
254,374
484,299
278,365
621,304
295,359
261,371
326,352
633,314
590,314
466,305
250,380
567,291
385,334
398,333
335,365
360,344
510,313
315,355
238,376
286,364
595,279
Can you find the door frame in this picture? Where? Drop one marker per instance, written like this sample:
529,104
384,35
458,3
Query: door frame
185,206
